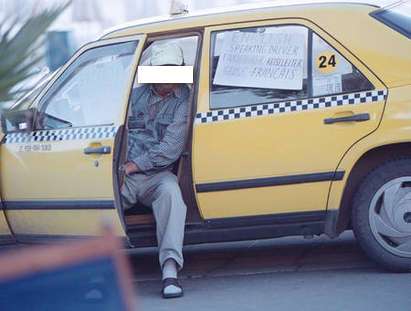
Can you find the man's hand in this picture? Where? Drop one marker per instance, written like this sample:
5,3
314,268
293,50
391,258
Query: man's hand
130,168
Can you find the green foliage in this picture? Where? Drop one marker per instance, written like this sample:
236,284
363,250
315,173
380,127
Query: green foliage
18,45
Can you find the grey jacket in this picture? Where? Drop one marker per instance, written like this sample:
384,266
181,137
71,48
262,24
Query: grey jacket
157,128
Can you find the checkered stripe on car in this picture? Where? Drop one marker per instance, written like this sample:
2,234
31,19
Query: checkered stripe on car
290,106
62,134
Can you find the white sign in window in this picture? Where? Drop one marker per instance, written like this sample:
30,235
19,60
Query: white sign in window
262,60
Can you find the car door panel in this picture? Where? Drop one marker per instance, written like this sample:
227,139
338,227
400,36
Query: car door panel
64,161
51,185
59,182
275,159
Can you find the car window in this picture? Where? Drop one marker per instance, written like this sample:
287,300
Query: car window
258,65
91,90
252,66
332,73
398,17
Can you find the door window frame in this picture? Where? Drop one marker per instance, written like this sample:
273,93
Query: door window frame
205,77
308,54
196,68
140,39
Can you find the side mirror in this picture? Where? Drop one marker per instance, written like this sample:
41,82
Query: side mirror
21,120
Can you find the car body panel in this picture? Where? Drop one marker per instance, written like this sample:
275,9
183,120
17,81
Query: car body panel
383,49
65,164
395,128
63,223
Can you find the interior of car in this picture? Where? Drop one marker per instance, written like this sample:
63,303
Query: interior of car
141,216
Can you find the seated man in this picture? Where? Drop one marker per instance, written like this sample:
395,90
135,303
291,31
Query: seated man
157,135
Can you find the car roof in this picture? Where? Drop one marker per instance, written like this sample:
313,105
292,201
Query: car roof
337,20
245,7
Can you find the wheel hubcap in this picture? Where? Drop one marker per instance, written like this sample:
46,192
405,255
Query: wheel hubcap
390,216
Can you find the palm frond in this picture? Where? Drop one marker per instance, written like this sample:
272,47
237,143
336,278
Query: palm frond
19,49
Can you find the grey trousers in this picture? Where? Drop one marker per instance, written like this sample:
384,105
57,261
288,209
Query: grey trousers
162,192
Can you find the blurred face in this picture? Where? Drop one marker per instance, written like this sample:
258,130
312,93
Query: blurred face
164,89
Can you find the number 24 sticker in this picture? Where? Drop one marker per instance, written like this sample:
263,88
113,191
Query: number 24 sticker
327,62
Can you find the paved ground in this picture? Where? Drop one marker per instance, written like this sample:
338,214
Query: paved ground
280,274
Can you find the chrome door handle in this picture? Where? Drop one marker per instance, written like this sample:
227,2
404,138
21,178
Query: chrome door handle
97,150
361,117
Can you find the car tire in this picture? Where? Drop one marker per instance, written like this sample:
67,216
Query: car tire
381,215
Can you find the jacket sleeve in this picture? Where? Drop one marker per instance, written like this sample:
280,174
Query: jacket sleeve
169,149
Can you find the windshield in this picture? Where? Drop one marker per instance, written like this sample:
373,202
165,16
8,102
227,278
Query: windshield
397,16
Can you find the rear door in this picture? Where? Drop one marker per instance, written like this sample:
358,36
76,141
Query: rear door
280,103
57,180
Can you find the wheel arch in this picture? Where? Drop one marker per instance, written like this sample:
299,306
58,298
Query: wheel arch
339,219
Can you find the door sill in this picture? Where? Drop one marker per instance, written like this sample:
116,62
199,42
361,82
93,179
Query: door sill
239,229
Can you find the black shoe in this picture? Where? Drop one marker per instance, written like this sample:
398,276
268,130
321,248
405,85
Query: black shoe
168,282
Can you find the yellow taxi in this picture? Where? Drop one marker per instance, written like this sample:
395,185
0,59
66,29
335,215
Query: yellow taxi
300,124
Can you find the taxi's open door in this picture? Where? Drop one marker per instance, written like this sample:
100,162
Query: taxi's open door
57,162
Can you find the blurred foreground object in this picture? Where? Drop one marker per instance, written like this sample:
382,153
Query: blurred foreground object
84,275
19,47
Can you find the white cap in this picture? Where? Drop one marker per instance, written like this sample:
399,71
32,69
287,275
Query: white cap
166,54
